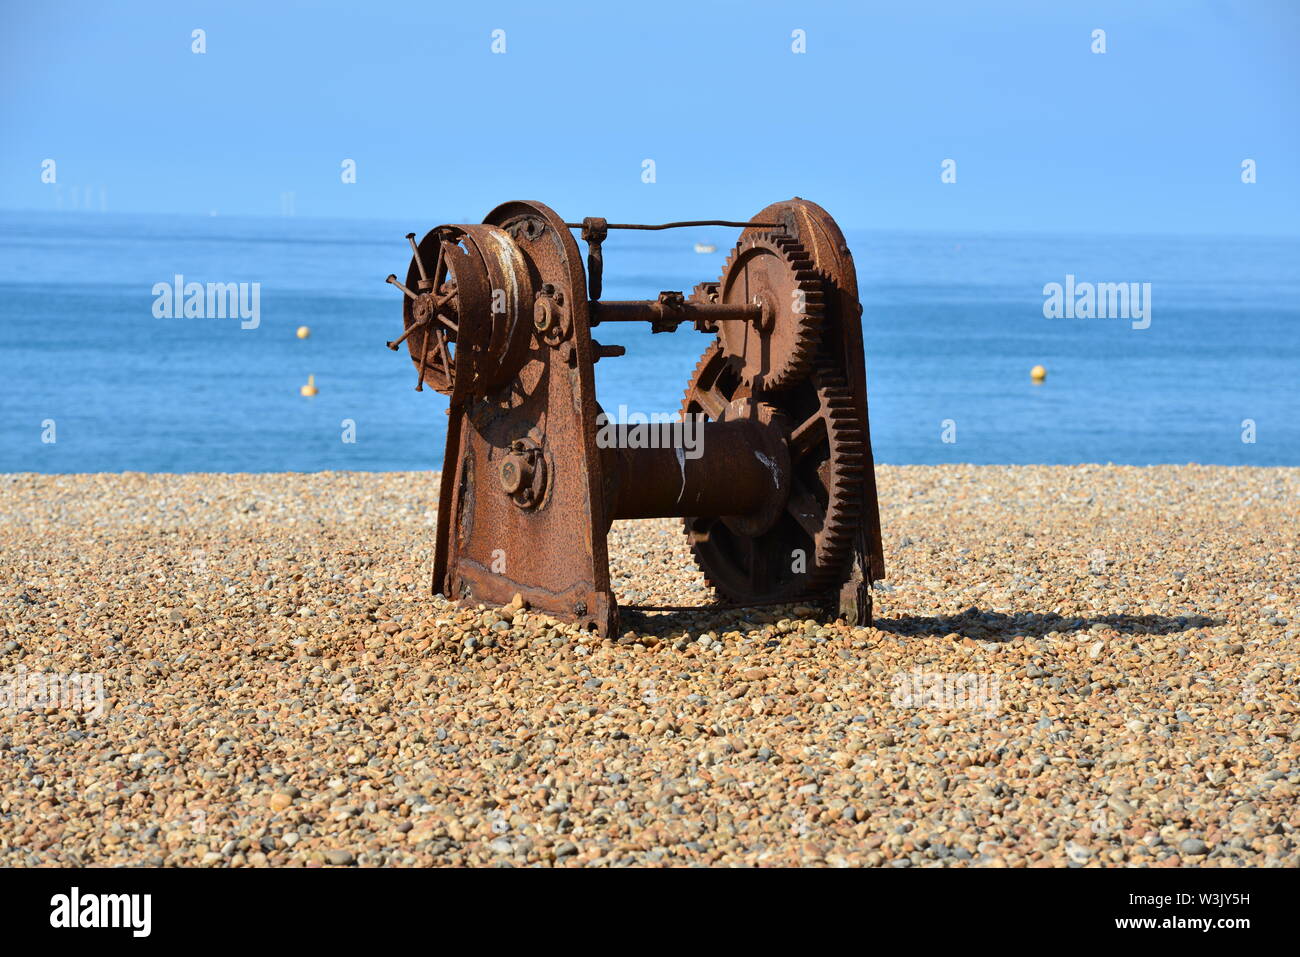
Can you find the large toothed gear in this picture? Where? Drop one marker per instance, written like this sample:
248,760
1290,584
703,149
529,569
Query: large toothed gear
774,271
806,550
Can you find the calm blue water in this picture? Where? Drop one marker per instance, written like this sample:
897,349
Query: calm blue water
953,324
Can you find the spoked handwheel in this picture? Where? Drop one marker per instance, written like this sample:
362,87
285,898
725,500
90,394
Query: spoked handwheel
468,325
431,314
806,548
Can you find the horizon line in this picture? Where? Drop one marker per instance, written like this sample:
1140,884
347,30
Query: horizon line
1010,230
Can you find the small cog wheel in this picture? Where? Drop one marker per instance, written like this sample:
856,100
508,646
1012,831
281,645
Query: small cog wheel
775,272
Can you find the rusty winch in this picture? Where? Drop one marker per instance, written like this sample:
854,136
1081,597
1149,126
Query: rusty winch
777,495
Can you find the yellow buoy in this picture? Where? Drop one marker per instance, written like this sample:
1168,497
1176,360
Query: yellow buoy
303,332
309,389
1038,373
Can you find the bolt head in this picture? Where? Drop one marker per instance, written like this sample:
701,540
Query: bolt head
510,477
543,315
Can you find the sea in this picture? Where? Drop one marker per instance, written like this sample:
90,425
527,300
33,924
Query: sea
93,380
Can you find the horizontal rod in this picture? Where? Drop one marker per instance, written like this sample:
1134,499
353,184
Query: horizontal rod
651,310
689,222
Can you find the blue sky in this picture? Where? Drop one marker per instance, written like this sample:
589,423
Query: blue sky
1148,137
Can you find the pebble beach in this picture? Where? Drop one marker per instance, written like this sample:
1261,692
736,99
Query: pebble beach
1076,666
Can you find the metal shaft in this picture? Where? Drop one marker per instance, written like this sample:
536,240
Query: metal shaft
650,310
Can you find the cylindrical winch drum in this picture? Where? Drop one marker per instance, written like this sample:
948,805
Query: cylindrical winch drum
737,467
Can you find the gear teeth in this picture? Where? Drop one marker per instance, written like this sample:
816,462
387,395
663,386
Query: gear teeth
706,358
833,545
704,292
847,458
796,364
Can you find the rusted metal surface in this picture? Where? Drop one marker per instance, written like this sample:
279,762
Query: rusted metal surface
672,309
661,483
775,486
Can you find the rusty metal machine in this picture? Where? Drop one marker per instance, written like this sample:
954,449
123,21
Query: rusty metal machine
778,506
